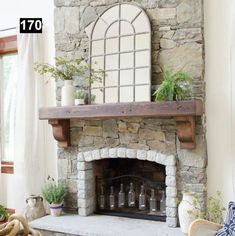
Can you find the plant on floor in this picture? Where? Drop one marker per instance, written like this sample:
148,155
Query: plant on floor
54,193
175,86
213,211
3,213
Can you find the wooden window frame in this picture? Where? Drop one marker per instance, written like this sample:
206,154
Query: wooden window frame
8,45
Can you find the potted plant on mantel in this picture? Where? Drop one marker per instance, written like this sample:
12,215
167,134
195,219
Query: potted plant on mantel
175,87
79,97
66,69
3,213
54,193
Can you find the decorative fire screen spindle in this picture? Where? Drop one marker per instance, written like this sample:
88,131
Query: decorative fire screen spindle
120,45
131,196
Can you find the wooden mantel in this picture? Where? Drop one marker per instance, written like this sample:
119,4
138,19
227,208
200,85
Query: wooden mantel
184,112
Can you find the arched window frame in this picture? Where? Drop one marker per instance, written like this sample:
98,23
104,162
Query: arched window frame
103,87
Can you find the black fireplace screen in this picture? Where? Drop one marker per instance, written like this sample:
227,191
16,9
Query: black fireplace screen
131,196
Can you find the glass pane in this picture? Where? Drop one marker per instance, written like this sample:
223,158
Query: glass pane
111,14
127,43
9,83
98,47
126,94
111,78
126,60
111,95
126,77
141,23
99,95
97,63
142,58
99,30
129,12
142,76
126,28
111,62
142,93
113,31
142,41
112,45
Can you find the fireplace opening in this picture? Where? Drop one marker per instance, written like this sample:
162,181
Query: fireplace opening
130,188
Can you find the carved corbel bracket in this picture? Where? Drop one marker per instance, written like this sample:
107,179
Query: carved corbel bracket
185,127
61,131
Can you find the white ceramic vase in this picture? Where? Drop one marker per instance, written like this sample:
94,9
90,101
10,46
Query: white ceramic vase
79,102
67,93
185,206
56,209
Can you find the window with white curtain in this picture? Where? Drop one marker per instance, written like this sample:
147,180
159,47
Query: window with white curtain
8,98
120,45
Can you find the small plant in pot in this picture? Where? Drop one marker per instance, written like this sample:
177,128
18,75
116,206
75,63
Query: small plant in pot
54,193
3,213
175,87
79,97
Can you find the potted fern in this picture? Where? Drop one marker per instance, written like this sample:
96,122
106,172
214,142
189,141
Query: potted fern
175,86
3,213
54,193
79,96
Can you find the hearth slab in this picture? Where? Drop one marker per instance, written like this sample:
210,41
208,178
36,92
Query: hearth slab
100,225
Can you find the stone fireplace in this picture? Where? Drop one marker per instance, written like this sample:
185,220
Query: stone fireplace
177,42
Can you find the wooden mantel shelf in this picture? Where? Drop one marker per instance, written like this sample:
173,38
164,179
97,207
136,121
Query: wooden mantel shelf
184,112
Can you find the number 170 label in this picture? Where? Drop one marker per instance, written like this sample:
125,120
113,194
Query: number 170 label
30,25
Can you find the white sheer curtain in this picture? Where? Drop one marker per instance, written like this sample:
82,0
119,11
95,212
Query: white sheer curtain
29,150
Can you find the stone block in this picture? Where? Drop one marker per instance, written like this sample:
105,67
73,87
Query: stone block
190,13
80,157
122,126
160,158
84,203
85,185
148,134
82,194
171,202
62,165
188,35
92,131
67,153
104,153
131,153
171,191
113,153
167,43
71,185
171,211
170,170
85,211
59,21
196,157
141,146
171,222
84,165
85,175
71,16
112,142
126,138
96,154
110,129
170,160
141,154
168,3
133,127
162,15
88,156
151,155
85,141
121,152
170,181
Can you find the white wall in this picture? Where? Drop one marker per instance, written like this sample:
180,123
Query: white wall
219,93
10,12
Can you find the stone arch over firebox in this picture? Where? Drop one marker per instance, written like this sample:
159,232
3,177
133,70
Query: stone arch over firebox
86,178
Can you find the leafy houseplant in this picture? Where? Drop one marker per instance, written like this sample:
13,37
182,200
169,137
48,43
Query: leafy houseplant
66,69
176,86
54,193
79,96
3,213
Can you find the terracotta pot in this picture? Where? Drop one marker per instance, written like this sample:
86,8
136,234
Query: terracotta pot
67,93
56,209
186,206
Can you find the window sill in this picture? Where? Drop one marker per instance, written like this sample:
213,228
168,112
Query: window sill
7,167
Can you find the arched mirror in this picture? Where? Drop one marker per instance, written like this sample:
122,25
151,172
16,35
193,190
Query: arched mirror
120,45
